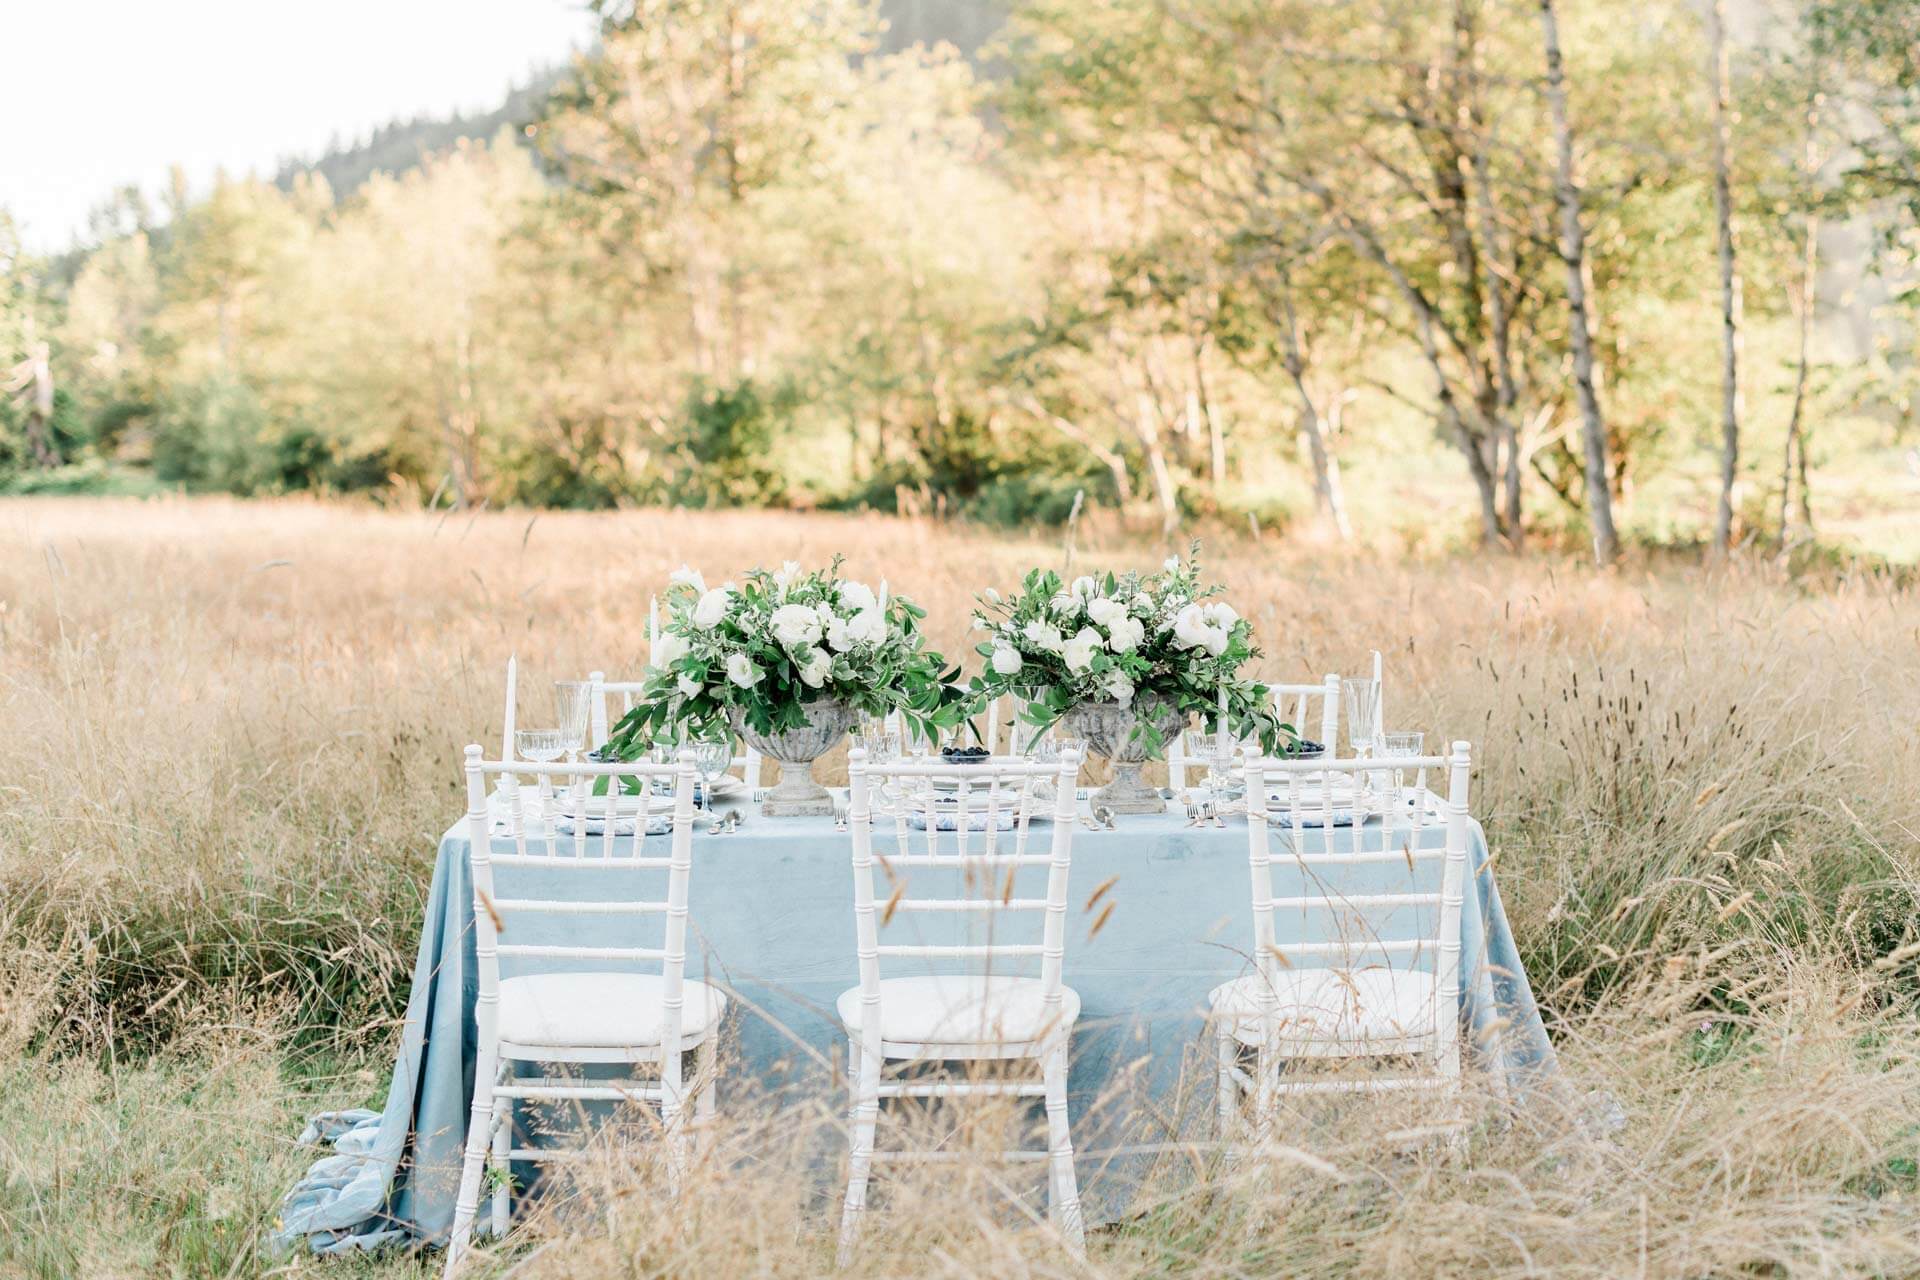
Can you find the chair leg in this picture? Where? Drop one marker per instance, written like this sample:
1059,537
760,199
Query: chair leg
501,1124
1226,1090
479,1122
864,1117
1064,1201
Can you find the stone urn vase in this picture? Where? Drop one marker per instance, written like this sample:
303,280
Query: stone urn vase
798,795
1108,728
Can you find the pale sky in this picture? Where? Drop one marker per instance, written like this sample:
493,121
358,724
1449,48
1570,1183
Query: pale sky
95,95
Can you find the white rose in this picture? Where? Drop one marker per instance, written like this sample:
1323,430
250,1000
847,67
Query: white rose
690,576
1063,605
1006,660
1143,603
838,638
1119,687
816,668
712,608
1104,610
796,625
1044,637
1194,630
856,596
867,627
741,671
1125,634
670,648
689,687
1079,651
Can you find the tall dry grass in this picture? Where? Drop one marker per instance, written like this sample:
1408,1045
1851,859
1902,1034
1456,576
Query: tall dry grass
227,741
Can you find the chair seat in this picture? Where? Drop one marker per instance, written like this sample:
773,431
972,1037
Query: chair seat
601,1010
963,1009
1353,1007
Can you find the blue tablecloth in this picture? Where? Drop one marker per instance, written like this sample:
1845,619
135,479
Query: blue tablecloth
772,918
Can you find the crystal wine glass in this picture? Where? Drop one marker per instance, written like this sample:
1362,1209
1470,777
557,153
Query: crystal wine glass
711,758
573,702
542,746
1362,694
1205,745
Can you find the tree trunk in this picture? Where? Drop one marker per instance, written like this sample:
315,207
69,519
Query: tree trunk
1808,296
1164,491
1499,316
1729,282
1326,475
1573,250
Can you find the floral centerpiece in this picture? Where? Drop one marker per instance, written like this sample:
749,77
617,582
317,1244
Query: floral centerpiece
1125,660
788,660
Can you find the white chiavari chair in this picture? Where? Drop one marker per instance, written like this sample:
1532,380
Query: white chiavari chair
624,693
513,695
1346,976
628,1004
959,876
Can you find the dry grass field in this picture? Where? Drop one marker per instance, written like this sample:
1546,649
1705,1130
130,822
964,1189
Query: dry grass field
228,739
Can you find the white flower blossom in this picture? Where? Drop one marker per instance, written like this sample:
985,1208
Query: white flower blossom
815,669
1083,588
1104,610
670,648
1006,660
1044,636
839,639
741,671
1119,687
783,579
857,597
712,608
1124,634
796,625
688,686
1064,605
1172,564
1194,630
868,626
690,576
1079,651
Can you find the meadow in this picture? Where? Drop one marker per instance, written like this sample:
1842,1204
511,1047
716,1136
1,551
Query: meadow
228,741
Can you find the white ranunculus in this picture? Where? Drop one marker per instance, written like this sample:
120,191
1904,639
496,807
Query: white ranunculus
1104,609
712,608
1006,660
690,576
1079,651
815,668
796,625
688,686
1044,636
868,626
856,596
670,648
1119,687
741,671
1125,634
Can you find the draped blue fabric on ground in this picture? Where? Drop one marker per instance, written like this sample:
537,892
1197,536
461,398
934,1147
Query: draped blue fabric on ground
772,923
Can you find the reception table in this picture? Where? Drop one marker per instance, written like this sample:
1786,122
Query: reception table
772,924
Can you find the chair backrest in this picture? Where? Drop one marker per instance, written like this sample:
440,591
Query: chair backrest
966,895
1360,897
624,693
619,853
1294,704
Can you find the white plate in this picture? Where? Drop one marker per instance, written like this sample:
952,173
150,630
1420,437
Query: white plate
949,820
658,824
